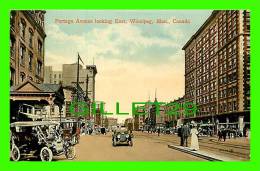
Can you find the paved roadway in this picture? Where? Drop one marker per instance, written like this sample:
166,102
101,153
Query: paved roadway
99,148
150,147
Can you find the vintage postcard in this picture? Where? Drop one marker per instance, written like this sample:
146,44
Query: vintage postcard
129,85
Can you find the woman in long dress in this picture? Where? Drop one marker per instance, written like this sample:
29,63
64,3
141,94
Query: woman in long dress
194,139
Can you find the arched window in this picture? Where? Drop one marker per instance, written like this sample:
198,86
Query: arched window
22,77
22,27
30,37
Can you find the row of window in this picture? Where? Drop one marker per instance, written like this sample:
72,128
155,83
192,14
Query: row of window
228,107
24,30
22,58
228,78
208,87
231,91
223,107
207,110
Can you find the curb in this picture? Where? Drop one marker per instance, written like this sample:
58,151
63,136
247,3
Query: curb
194,153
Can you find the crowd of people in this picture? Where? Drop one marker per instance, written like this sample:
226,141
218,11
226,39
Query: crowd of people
194,131
231,132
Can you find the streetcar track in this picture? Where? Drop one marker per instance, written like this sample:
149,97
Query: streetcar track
214,142
230,152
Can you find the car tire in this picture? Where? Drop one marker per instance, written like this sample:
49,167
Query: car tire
15,153
71,153
114,143
46,154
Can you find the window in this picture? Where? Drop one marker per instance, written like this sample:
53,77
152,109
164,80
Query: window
52,110
224,66
22,77
12,47
12,76
224,55
234,105
30,61
229,106
39,68
22,55
40,48
220,70
22,27
31,38
12,19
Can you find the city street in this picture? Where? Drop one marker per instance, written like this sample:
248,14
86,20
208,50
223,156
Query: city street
151,147
153,87
99,148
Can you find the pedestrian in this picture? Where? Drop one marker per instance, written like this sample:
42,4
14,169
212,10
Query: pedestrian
159,130
180,135
224,134
185,134
194,138
219,134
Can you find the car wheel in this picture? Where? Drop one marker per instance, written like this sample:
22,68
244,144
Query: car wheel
70,153
46,154
15,153
114,143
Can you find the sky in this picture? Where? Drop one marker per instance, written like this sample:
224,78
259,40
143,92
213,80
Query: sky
133,60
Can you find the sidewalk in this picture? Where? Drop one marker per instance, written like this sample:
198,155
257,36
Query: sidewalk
201,154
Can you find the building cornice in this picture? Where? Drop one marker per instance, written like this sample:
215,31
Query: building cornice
204,25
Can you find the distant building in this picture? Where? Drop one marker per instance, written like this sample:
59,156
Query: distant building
129,123
27,37
175,112
109,122
69,77
51,76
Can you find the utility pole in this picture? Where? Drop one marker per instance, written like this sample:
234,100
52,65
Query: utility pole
87,99
78,82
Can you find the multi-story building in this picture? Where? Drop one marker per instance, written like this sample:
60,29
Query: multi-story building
109,122
27,37
217,69
175,112
69,77
129,123
51,76
156,119
138,121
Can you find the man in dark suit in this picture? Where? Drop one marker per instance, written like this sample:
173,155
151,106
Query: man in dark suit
185,134
180,135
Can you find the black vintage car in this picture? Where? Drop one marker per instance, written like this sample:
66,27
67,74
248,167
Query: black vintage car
38,139
122,136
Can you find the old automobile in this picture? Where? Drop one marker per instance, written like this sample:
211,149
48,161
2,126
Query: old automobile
71,130
41,139
122,136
